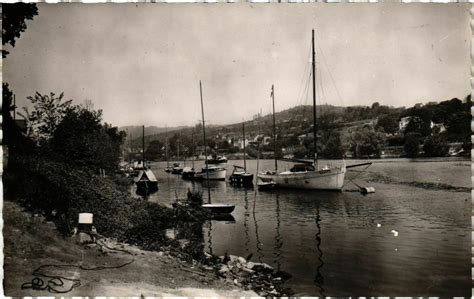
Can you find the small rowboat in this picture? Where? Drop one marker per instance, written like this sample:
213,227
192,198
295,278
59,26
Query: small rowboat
219,208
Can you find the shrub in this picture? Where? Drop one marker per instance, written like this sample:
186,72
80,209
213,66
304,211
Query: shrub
435,146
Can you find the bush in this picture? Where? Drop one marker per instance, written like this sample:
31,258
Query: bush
412,145
435,146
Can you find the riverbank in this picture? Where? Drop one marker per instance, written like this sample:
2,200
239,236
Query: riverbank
31,241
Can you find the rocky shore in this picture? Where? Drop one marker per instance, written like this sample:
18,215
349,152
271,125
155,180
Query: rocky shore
106,267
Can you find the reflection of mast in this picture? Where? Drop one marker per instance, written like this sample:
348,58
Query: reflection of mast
246,217
278,238
319,279
257,239
209,236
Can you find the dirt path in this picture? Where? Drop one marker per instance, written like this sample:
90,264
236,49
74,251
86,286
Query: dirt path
30,242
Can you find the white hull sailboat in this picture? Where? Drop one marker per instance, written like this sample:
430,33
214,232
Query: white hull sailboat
211,173
325,179
307,175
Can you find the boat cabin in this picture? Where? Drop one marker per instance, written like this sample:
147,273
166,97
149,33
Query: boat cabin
302,168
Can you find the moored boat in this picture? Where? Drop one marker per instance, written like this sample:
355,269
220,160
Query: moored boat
240,177
307,175
177,169
146,182
217,160
188,173
219,208
211,173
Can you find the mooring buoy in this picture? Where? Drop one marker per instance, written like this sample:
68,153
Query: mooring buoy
366,190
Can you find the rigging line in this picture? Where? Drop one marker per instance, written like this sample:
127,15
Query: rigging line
330,74
306,96
301,85
323,93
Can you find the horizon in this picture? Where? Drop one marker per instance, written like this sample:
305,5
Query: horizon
394,54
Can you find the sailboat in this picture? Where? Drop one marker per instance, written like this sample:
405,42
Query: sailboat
188,172
168,168
146,181
240,176
177,169
208,172
306,175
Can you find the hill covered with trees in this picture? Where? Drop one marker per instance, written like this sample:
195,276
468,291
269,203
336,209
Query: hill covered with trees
357,131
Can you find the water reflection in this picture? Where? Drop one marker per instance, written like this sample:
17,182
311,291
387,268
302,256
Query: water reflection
285,228
246,219
259,248
278,237
319,278
209,237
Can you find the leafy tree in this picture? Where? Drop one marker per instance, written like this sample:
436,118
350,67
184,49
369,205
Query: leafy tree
12,136
389,123
47,114
301,152
412,145
13,21
155,150
334,147
435,146
367,142
81,139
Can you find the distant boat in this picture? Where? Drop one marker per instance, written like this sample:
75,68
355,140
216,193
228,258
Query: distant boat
176,168
307,175
240,177
219,208
212,172
189,172
168,168
146,181
217,160
209,172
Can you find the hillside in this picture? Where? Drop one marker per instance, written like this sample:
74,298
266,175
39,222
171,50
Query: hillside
353,130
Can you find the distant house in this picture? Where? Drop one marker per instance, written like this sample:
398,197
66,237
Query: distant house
439,127
265,140
200,150
403,123
302,137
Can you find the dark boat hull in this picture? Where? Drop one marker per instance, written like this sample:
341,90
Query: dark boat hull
146,187
219,208
188,175
243,180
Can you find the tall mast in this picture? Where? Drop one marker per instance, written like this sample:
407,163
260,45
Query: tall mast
315,138
274,129
205,146
131,149
177,141
166,149
143,146
14,107
192,147
243,133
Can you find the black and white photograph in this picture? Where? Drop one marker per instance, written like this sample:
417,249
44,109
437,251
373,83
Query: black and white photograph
236,149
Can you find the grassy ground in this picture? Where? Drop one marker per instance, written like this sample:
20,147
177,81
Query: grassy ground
30,241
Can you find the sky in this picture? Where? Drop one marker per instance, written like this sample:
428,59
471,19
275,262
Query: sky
142,63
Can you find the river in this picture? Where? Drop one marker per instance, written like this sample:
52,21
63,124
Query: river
343,243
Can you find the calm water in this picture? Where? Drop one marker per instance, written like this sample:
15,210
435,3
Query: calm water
331,242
